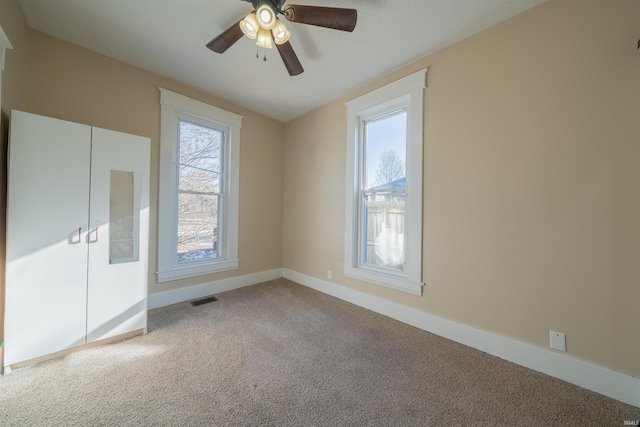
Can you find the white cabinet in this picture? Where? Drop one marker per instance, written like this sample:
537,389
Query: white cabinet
77,236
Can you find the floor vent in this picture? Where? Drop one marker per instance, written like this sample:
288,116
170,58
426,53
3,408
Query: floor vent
203,301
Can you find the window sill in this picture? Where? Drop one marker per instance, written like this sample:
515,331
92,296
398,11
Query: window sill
387,280
185,272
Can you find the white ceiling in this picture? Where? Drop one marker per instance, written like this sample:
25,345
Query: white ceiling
168,37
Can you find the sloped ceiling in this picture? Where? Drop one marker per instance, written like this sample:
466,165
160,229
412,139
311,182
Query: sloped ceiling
168,37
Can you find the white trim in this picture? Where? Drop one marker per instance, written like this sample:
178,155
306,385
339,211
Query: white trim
387,280
617,385
174,296
178,273
404,85
407,92
174,105
201,109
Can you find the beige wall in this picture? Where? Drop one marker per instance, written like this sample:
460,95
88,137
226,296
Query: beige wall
532,182
14,77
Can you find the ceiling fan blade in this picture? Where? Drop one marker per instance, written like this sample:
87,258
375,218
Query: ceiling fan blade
290,59
328,17
226,39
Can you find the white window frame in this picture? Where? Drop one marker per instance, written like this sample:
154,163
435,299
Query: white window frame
408,94
173,107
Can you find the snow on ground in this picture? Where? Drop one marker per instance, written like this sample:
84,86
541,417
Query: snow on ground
196,255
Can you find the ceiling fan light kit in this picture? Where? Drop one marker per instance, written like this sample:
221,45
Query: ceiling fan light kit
249,26
264,26
257,24
280,33
264,39
266,16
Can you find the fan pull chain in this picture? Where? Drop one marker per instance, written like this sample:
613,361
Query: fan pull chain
265,54
264,58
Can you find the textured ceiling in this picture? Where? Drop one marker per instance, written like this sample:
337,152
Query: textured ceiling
168,37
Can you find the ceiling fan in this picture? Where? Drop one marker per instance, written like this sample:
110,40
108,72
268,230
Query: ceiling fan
263,25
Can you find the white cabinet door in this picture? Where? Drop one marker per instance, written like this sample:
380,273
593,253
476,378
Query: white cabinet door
118,237
47,215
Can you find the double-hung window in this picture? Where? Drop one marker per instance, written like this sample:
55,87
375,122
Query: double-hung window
198,215
383,243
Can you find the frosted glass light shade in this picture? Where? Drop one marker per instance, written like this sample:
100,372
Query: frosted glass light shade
249,26
280,33
266,16
264,39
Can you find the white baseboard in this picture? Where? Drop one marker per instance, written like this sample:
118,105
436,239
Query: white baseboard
162,299
622,387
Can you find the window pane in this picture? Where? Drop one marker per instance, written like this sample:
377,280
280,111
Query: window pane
197,227
383,230
385,152
124,217
199,158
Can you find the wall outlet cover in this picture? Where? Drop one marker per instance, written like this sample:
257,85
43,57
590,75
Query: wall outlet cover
557,340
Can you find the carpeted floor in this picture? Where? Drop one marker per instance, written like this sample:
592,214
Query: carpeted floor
280,354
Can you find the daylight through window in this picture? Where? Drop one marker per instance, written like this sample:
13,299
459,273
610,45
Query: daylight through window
383,214
383,192
199,192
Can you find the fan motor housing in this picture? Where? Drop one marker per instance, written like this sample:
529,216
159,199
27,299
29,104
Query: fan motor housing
276,5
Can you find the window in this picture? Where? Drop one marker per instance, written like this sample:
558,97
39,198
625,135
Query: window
383,243
198,215
199,190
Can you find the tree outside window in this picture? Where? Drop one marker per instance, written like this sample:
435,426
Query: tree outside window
199,192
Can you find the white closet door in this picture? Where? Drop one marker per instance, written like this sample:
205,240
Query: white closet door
118,238
47,217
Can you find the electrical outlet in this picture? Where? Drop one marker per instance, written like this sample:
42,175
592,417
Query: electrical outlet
329,274
557,340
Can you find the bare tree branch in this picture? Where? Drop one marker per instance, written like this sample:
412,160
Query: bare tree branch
390,167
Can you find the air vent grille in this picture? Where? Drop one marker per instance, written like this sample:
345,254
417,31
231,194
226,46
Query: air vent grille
203,301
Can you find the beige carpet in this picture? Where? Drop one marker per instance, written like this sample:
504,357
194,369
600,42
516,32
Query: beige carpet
279,354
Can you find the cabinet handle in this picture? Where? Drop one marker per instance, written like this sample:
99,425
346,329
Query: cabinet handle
74,238
93,232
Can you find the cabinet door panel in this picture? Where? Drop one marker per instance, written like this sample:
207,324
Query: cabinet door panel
47,221
118,241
